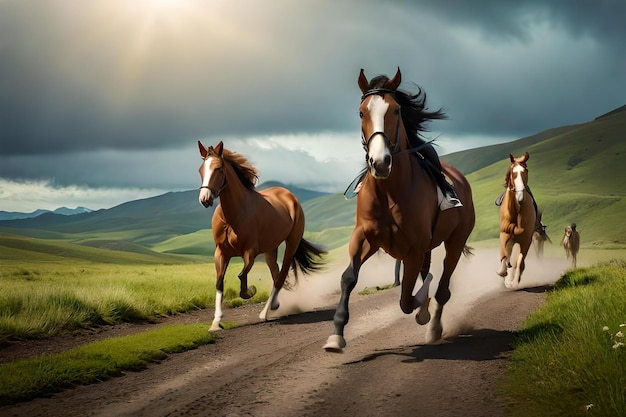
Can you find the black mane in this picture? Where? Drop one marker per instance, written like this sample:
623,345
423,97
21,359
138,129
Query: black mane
414,113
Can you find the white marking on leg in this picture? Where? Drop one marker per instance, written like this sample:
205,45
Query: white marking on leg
268,305
422,293
219,295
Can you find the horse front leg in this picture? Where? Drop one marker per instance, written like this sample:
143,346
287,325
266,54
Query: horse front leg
412,267
272,302
360,250
504,257
221,263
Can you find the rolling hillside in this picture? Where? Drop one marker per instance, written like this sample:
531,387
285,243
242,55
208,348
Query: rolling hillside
576,173
576,176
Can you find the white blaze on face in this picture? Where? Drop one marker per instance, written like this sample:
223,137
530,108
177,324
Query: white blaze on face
518,182
377,149
205,173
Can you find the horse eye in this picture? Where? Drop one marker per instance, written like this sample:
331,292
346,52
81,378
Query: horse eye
361,114
396,111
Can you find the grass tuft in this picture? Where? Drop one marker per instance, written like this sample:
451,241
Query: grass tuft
30,378
570,357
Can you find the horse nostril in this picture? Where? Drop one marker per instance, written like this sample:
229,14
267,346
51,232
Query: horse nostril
387,159
371,160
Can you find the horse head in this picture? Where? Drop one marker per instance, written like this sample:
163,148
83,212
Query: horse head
380,122
213,178
517,176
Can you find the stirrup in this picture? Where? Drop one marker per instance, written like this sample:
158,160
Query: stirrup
447,201
450,202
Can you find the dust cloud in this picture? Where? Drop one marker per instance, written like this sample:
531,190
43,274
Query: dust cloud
474,280
322,289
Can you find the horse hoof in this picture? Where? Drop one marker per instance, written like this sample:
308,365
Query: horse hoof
423,315
216,327
249,293
335,343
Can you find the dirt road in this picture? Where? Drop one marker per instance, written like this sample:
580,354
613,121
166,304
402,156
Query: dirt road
279,368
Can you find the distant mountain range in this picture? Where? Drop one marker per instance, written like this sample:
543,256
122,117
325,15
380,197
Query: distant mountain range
576,173
14,215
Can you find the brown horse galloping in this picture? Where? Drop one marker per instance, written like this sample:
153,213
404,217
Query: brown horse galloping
248,223
571,242
517,221
398,205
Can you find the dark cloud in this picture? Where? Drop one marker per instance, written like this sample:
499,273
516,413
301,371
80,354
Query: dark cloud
598,19
80,78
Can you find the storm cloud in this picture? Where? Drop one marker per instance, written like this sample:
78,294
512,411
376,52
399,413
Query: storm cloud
115,93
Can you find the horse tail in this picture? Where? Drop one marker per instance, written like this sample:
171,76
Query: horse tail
468,251
308,258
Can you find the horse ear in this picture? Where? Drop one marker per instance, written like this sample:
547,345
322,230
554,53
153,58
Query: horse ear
526,157
363,83
219,148
394,83
512,157
203,150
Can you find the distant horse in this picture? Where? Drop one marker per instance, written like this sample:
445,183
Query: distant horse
247,223
398,204
540,236
571,242
517,221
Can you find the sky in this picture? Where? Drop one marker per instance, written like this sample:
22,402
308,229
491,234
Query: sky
103,101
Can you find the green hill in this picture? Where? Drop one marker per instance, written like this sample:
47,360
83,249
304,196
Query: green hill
576,173
576,176
29,249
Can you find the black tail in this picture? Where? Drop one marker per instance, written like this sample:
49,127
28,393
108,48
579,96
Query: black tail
308,258
468,251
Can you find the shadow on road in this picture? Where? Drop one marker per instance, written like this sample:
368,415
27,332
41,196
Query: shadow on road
315,316
479,345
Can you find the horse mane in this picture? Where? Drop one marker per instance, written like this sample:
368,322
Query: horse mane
247,174
507,178
414,113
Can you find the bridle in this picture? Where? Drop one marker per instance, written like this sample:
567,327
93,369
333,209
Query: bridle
216,193
396,145
366,143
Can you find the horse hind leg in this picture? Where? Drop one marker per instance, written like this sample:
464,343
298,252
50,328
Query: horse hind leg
434,331
272,302
245,291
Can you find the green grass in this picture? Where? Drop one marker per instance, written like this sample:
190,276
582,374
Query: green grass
26,379
42,299
568,360
374,290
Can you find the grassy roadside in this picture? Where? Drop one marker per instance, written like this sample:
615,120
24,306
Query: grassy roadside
26,379
570,357
40,299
